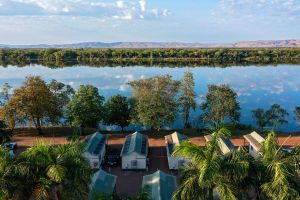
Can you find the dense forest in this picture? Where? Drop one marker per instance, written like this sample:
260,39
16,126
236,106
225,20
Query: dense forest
169,56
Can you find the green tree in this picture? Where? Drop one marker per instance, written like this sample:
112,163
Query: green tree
12,113
62,170
210,173
86,107
297,113
156,104
4,134
273,117
260,117
276,116
36,101
278,170
8,181
118,111
62,94
187,98
220,105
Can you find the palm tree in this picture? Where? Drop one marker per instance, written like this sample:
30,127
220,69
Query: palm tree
279,178
56,172
209,172
7,182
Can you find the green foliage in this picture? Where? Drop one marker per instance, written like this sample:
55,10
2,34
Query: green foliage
4,134
33,101
273,117
220,105
156,104
62,93
118,110
209,171
190,56
187,98
86,107
43,170
142,195
279,170
297,113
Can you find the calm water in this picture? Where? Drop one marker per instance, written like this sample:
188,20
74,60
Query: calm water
256,86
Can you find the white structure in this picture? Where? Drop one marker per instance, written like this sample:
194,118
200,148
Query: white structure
255,143
102,182
134,152
225,144
95,149
160,185
175,162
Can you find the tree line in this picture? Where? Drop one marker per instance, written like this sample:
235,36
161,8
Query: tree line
197,56
155,103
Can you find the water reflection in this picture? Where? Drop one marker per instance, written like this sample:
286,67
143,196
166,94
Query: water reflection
256,86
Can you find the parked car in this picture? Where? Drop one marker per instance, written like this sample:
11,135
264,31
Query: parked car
112,157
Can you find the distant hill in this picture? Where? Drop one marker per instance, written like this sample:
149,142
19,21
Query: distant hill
244,44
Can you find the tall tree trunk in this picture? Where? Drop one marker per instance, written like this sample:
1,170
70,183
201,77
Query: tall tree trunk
38,126
186,120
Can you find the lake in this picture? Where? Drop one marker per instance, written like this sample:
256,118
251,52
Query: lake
256,86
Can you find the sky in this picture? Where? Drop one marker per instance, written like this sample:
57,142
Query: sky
204,21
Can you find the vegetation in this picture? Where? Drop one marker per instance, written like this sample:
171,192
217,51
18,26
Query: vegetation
141,195
4,134
86,107
274,174
204,56
273,117
118,111
278,170
34,101
44,172
297,113
156,105
220,105
209,171
187,99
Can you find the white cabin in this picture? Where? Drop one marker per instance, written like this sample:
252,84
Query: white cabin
255,143
225,144
135,152
175,162
95,149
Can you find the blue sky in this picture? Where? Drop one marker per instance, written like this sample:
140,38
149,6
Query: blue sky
211,21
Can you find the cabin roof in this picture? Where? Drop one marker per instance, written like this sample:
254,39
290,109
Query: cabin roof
174,139
225,144
160,185
255,140
95,143
103,182
135,142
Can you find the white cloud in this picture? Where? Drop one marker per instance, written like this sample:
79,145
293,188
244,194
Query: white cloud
116,9
121,4
257,10
143,5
